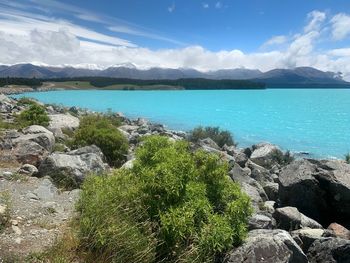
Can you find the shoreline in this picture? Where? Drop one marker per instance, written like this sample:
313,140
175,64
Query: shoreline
304,153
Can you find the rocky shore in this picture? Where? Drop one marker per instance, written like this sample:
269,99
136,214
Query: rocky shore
301,207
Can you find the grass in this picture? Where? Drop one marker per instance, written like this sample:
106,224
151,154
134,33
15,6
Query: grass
220,137
5,200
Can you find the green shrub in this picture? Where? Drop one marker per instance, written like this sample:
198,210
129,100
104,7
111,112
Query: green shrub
282,158
221,137
103,132
24,101
347,158
172,206
35,115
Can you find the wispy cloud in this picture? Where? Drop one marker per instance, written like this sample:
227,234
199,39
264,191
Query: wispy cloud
276,40
218,5
109,21
205,5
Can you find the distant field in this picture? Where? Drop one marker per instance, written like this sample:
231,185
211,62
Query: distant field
87,85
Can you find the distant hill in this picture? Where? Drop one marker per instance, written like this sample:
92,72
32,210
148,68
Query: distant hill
301,76
297,77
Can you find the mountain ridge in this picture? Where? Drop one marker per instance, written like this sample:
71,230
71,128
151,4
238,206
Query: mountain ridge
274,77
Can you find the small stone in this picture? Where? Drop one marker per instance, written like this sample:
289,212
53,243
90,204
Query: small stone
7,174
2,209
18,240
32,196
17,230
14,222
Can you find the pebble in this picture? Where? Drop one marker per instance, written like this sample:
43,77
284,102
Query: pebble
7,174
17,230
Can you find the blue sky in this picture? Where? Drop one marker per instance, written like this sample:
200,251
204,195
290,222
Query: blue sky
205,35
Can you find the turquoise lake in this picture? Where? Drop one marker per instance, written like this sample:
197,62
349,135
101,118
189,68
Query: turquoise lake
311,120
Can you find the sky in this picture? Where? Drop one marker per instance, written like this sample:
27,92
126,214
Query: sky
204,35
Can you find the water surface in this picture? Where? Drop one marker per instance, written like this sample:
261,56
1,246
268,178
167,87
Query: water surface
310,120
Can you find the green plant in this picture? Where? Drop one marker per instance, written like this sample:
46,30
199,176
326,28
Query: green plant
347,158
5,205
35,115
221,137
26,101
172,206
282,158
102,131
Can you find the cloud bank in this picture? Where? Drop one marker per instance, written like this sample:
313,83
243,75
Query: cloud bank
31,38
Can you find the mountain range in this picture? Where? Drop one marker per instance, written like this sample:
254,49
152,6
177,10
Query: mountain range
293,77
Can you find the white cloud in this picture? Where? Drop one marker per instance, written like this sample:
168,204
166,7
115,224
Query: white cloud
276,40
25,37
205,5
340,26
316,18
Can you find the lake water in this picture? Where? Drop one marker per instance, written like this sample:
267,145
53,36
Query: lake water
311,120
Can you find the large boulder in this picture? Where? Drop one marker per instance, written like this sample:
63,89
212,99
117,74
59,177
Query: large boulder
6,104
339,231
263,154
319,189
60,121
259,173
72,167
330,250
289,218
263,246
29,152
37,134
306,236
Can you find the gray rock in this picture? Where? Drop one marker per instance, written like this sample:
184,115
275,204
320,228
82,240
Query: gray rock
271,190
208,142
330,250
39,135
60,121
269,206
29,152
263,154
259,173
72,167
306,236
289,218
7,174
264,245
319,189
258,221
28,169
46,190
129,164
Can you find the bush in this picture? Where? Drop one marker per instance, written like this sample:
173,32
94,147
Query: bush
221,137
102,131
26,101
282,158
35,115
347,158
172,206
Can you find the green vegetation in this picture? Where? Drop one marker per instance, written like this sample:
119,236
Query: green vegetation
190,83
5,203
172,206
347,158
221,137
102,131
24,101
33,82
282,158
35,115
